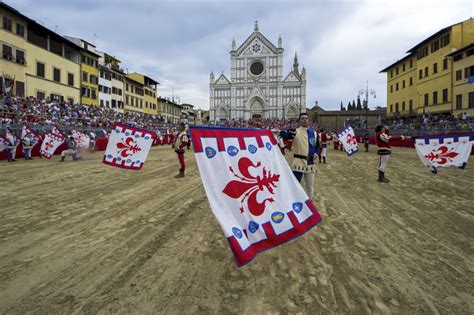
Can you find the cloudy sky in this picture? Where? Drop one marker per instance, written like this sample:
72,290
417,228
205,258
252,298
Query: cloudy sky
342,44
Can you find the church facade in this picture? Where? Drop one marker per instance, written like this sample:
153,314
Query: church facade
256,87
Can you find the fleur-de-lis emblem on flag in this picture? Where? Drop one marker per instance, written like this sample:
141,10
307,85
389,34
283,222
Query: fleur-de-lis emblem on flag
248,186
441,156
128,147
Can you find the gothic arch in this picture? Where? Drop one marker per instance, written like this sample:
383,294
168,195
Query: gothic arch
221,113
256,107
291,111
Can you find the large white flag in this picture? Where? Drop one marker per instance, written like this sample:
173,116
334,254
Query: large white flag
257,200
50,143
348,140
444,150
82,140
128,147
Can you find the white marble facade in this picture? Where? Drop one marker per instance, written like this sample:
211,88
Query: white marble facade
257,87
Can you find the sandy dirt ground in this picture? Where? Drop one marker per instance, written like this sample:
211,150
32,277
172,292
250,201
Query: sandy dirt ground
85,238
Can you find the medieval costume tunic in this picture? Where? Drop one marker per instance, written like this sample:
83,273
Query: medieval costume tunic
382,139
181,141
305,146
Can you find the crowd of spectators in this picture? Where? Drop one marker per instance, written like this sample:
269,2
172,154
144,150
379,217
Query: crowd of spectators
37,113
280,124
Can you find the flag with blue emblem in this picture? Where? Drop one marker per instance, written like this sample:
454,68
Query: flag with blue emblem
348,139
255,197
445,150
128,147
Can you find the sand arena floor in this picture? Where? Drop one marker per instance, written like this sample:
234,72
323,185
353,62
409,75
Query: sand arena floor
83,237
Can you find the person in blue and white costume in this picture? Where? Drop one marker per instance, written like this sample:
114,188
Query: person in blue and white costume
305,148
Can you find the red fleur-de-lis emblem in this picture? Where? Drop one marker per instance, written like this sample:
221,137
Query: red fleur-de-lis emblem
49,145
248,186
128,147
351,139
443,156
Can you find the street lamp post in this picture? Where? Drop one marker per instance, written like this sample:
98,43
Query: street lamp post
367,92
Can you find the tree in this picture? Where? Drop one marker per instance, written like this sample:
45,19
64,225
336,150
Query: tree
353,105
359,105
342,107
349,106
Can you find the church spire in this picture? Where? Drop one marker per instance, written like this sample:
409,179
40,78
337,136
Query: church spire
233,44
280,42
211,77
256,26
295,65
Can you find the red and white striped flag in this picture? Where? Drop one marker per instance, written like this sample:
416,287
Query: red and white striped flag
128,147
254,195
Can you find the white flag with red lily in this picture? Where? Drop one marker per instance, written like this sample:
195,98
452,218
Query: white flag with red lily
128,147
255,197
81,139
348,140
35,139
58,131
445,150
50,143
3,143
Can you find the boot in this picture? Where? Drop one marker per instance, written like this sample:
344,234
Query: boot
319,159
324,160
385,179
180,175
62,158
382,178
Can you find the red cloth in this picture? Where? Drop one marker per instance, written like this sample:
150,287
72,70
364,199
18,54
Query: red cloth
182,166
380,143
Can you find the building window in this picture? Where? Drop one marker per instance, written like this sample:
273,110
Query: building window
435,46
85,75
40,95
444,40
403,106
94,94
403,84
56,75
391,73
445,95
20,57
101,103
471,99
7,24
84,91
20,88
391,88
435,97
40,69
126,100
435,67
423,52
468,71
445,64
396,71
70,100
426,71
56,97
421,74
70,79
426,99
20,30
411,81
458,75
459,101
7,52
93,79
410,104
396,86
396,107
391,108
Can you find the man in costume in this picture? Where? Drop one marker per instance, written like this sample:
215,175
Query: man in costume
71,149
323,137
305,147
382,139
366,142
27,143
180,143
